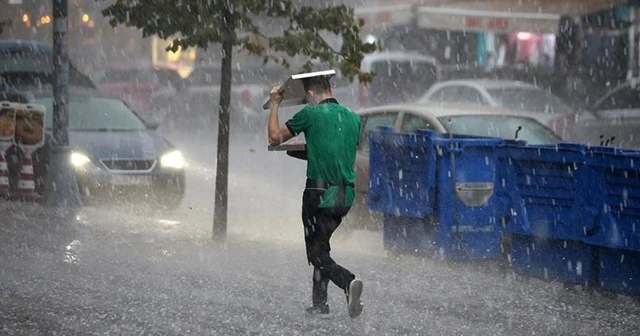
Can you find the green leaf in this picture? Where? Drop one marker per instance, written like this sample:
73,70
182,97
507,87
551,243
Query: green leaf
198,23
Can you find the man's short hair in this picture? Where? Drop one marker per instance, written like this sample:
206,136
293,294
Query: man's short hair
317,84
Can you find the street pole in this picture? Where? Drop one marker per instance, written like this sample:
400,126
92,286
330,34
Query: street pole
61,188
222,163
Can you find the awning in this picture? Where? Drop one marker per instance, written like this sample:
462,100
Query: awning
559,7
537,16
481,20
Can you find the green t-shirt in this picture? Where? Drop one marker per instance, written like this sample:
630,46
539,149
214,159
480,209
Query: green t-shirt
331,132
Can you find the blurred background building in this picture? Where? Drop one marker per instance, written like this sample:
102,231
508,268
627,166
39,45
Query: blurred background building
594,40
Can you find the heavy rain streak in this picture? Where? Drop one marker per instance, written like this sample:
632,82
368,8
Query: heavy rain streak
154,156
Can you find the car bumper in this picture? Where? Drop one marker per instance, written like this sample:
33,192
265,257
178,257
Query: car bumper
159,183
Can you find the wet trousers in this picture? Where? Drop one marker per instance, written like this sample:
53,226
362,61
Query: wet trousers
319,224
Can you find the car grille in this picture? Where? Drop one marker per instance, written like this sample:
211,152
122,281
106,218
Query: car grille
128,164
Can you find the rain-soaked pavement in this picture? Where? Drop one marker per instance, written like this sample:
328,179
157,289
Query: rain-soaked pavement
127,270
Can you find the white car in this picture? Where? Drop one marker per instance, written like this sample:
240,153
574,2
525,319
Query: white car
400,77
618,119
455,118
514,95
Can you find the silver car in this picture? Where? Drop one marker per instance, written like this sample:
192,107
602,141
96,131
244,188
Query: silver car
618,119
455,118
514,95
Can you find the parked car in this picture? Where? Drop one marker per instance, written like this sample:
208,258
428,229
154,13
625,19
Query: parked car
30,64
115,153
514,95
454,118
617,119
400,77
140,85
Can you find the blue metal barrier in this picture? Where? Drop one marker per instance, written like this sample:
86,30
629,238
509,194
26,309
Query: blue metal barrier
466,213
450,209
614,187
543,187
401,174
567,261
619,270
615,191
547,217
572,212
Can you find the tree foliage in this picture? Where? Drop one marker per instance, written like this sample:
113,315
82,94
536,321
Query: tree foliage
300,29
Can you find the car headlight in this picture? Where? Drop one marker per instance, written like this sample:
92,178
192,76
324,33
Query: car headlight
79,160
173,160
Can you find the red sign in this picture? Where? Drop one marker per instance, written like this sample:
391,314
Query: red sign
479,22
473,22
497,24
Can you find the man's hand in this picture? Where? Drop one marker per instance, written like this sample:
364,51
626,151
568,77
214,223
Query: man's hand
277,134
276,95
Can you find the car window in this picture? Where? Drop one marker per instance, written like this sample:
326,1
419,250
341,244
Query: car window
470,95
625,98
411,122
88,113
370,122
445,94
25,61
500,126
528,99
400,80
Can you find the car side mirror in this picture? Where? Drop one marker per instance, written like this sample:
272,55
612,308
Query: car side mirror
153,124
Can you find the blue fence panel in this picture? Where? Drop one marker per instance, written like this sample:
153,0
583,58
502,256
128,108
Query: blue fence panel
409,235
567,261
401,174
615,192
543,188
453,209
620,270
466,209
379,195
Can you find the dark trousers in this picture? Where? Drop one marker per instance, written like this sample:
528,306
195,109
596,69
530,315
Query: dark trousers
319,225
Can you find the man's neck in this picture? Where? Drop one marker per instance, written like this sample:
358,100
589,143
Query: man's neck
323,96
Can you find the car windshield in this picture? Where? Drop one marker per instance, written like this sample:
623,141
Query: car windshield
500,126
25,61
528,100
88,113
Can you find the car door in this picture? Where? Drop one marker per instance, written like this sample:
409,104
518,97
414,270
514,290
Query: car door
410,122
368,123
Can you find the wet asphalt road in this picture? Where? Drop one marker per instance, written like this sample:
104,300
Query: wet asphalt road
127,270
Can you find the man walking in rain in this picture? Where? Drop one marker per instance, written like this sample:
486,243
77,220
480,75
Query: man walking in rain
331,132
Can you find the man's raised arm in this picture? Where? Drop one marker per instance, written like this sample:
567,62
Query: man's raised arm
277,133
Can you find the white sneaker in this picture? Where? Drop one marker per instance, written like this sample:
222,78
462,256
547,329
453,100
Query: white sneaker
354,291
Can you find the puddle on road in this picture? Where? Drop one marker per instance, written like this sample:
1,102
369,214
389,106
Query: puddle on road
71,253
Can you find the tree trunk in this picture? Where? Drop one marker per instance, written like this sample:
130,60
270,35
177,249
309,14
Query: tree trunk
222,164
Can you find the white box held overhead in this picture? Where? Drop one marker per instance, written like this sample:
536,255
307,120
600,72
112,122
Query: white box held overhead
293,89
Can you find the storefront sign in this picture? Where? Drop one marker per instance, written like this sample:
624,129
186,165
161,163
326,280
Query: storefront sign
397,15
475,20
